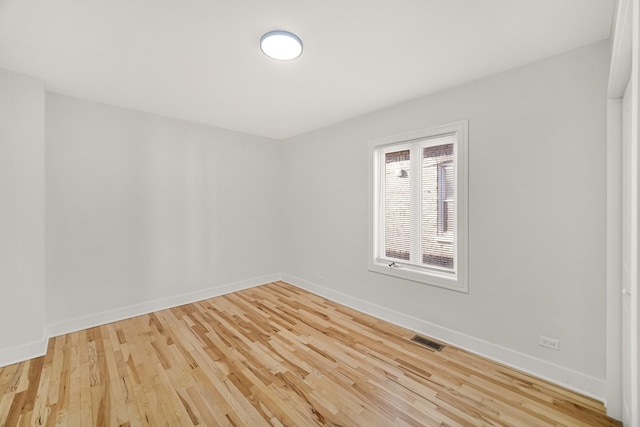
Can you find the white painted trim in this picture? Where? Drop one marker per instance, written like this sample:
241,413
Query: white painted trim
613,400
621,70
560,375
635,262
96,319
22,352
39,348
573,380
621,49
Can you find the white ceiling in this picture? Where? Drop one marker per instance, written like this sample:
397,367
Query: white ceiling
199,60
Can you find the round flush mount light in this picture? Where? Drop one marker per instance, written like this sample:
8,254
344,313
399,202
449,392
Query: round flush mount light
281,45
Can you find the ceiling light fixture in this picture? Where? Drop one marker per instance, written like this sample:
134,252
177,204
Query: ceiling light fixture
281,45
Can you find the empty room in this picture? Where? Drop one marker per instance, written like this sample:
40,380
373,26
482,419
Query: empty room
332,213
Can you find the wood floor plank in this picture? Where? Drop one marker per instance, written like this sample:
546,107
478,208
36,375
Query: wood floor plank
273,355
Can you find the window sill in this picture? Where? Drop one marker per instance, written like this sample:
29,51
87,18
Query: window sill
441,280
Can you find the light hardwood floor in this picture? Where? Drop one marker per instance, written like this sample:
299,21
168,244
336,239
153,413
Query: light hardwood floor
272,355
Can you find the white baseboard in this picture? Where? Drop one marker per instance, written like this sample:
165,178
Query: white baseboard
565,377
22,352
38,348
573,380
96,319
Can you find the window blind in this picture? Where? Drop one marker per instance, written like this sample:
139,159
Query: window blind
427,224
397,205
438,206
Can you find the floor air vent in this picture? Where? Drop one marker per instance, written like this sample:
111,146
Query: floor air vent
427,343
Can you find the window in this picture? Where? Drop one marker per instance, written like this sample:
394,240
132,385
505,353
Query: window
418,213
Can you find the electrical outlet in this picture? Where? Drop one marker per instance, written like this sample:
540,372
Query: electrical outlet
320,278
551,343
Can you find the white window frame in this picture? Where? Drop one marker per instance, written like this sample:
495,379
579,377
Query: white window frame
458,279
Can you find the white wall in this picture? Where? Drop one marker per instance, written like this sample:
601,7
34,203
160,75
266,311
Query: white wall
142,207
537,211
21,216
